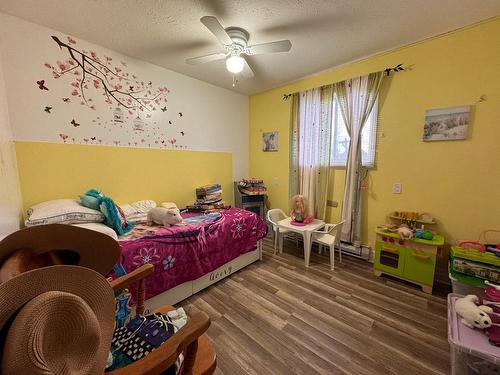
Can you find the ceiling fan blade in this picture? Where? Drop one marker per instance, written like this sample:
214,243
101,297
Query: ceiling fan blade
278,46
206,58
247,72
217,29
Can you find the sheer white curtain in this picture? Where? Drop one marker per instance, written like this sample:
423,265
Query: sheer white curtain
356,98
310,146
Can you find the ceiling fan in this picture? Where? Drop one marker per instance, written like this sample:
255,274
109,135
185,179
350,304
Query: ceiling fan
235,42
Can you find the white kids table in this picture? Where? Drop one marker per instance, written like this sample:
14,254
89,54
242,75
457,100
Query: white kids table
305,231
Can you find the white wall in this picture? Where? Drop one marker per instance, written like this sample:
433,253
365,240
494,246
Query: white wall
10,198
213,119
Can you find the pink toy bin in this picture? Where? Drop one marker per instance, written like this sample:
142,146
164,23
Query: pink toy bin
471,353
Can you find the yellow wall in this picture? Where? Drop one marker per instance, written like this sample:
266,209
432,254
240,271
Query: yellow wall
457,181
52,171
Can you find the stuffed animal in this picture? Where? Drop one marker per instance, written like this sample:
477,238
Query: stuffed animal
164,216
300,209
472,314
405,232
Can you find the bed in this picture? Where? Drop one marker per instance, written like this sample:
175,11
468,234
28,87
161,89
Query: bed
190,257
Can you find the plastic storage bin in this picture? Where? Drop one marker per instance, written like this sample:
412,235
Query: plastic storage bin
465,284
471,353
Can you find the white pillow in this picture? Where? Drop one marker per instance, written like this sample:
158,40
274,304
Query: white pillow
64,211
98,227
137,210
143,206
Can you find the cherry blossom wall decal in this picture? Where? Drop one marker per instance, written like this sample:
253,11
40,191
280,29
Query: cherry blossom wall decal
48,109
74,123
88,71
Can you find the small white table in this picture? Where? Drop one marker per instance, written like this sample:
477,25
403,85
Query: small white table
305,231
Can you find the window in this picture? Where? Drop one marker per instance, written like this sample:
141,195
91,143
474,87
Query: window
340,138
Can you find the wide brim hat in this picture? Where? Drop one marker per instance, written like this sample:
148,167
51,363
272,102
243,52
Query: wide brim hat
56,320
93,249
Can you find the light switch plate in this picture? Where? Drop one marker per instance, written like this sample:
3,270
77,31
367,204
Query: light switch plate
276,181
396,188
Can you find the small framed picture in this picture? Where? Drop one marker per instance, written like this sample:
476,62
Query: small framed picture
270,141
446,124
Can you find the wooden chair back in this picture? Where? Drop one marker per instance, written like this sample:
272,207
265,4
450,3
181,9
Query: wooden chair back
184,341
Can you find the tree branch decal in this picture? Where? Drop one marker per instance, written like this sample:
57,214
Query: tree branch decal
92,72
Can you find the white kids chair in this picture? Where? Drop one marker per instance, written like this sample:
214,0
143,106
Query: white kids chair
329,236
273,216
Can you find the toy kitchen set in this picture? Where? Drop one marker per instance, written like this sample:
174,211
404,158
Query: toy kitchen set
405,249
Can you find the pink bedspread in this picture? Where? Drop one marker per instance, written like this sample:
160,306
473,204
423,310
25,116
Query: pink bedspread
187,252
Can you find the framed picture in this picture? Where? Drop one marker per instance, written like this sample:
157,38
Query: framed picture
446,124
270,141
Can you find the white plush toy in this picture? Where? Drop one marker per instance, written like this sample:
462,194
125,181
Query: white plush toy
164,216
472,314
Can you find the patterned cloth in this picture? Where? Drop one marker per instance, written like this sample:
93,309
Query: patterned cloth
187,252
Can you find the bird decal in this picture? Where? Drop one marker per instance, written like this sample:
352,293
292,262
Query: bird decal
41,85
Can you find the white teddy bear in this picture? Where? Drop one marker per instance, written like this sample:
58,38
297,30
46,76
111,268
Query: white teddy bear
164,216
472,314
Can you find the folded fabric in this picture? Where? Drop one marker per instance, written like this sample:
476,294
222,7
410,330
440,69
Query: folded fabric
62,211
137,209
114,217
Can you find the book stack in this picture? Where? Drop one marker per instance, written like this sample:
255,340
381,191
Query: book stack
252,186
208,198
209,194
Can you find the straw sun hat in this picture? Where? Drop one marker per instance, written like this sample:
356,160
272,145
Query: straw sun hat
56,320
92,249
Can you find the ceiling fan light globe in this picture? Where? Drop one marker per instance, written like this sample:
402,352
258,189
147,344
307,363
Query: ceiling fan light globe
234,64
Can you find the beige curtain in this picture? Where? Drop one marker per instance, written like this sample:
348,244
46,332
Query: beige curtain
311,124
356,98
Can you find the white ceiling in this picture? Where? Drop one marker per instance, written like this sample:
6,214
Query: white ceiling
324,33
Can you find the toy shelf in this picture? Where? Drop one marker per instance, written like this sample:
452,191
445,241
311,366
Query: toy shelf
438,240
427,222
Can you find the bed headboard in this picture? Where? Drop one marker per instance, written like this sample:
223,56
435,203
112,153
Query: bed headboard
52,171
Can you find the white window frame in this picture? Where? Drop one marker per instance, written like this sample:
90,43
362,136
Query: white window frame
368,138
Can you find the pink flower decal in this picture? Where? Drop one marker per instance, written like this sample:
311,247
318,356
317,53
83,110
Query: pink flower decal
238,228
146,255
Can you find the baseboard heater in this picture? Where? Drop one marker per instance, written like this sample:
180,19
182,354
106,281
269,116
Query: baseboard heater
362,251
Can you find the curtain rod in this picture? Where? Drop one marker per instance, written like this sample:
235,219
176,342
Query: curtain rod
387,71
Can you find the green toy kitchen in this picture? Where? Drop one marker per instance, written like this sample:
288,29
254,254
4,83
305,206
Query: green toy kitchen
406,250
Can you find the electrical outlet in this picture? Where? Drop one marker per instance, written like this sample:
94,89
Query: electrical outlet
276,181
396,188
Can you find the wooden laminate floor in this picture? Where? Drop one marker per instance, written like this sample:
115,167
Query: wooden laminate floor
277,317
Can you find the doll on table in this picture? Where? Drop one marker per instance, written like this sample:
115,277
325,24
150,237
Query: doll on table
300,210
